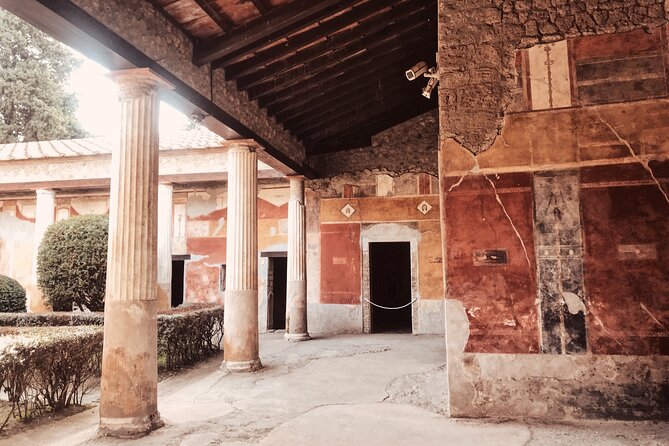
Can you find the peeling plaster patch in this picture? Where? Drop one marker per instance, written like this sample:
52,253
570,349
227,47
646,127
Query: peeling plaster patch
626,143
574,303
509,323
513,226
473,310
219,229
457,327
201,203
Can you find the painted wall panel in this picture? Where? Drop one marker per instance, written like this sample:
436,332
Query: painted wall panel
499,299
626,229
340,263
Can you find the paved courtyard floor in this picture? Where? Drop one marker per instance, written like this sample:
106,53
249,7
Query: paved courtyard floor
334,390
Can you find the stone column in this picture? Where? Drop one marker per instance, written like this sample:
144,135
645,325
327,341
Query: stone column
240,339
296,289
45,215
128,391
165,246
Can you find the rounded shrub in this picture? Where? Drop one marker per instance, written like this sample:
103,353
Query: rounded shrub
72,263
12,296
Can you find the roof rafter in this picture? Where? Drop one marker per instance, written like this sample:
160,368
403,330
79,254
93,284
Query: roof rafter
234,68
331,67
222,20
278,22
363,37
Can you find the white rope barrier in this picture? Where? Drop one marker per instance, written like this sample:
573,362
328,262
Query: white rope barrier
391,308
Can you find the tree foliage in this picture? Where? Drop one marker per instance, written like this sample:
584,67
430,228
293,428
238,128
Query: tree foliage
72,263
12,296
34,69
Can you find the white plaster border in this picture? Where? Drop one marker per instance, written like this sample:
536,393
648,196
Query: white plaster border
389,232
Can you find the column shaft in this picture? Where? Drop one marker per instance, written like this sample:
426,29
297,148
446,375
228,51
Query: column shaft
45,215
128,390
165,246
296,291
240,339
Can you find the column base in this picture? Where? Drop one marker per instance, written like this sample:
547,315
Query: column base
241,366
297,337
129,428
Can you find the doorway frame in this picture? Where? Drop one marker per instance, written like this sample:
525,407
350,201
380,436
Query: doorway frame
384,233
263,282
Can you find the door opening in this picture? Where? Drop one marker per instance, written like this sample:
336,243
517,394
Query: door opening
276,287
177,297
390,286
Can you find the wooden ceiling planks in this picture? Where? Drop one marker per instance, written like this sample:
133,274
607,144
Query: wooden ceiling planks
331,71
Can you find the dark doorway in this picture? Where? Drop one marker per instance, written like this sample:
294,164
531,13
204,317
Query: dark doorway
390,283
276,299
177,282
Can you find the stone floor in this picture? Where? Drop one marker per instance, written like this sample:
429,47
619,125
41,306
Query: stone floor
335,390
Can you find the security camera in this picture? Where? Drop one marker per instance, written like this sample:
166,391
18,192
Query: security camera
427,91
417,70
422,69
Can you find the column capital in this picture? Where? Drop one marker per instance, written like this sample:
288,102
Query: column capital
50,192
295,177
137,82
243,147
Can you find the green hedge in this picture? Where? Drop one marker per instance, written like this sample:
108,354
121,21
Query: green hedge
185,336
72,263
12,295
48,361
47,369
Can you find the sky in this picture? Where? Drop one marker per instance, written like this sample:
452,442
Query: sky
99,111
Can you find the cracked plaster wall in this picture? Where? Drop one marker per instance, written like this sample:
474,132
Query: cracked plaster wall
615,152
138,22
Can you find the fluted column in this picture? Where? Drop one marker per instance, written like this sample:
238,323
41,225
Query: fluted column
45,215
165,245
296,289
128,391
240,338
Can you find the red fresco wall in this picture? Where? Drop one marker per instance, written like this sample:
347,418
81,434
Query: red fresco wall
208,251
499,299
340,263
626,230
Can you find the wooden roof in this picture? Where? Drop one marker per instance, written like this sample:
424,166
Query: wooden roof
331,71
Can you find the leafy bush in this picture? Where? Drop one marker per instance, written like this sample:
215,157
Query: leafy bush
48,369
72,263
12,296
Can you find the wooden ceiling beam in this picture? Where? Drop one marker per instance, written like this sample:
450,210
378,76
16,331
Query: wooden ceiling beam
311,73
348,104
322,31
261,6
338,96
277,23
296,97
343,45
361,113
222,20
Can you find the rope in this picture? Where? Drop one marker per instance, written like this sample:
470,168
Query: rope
391,308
